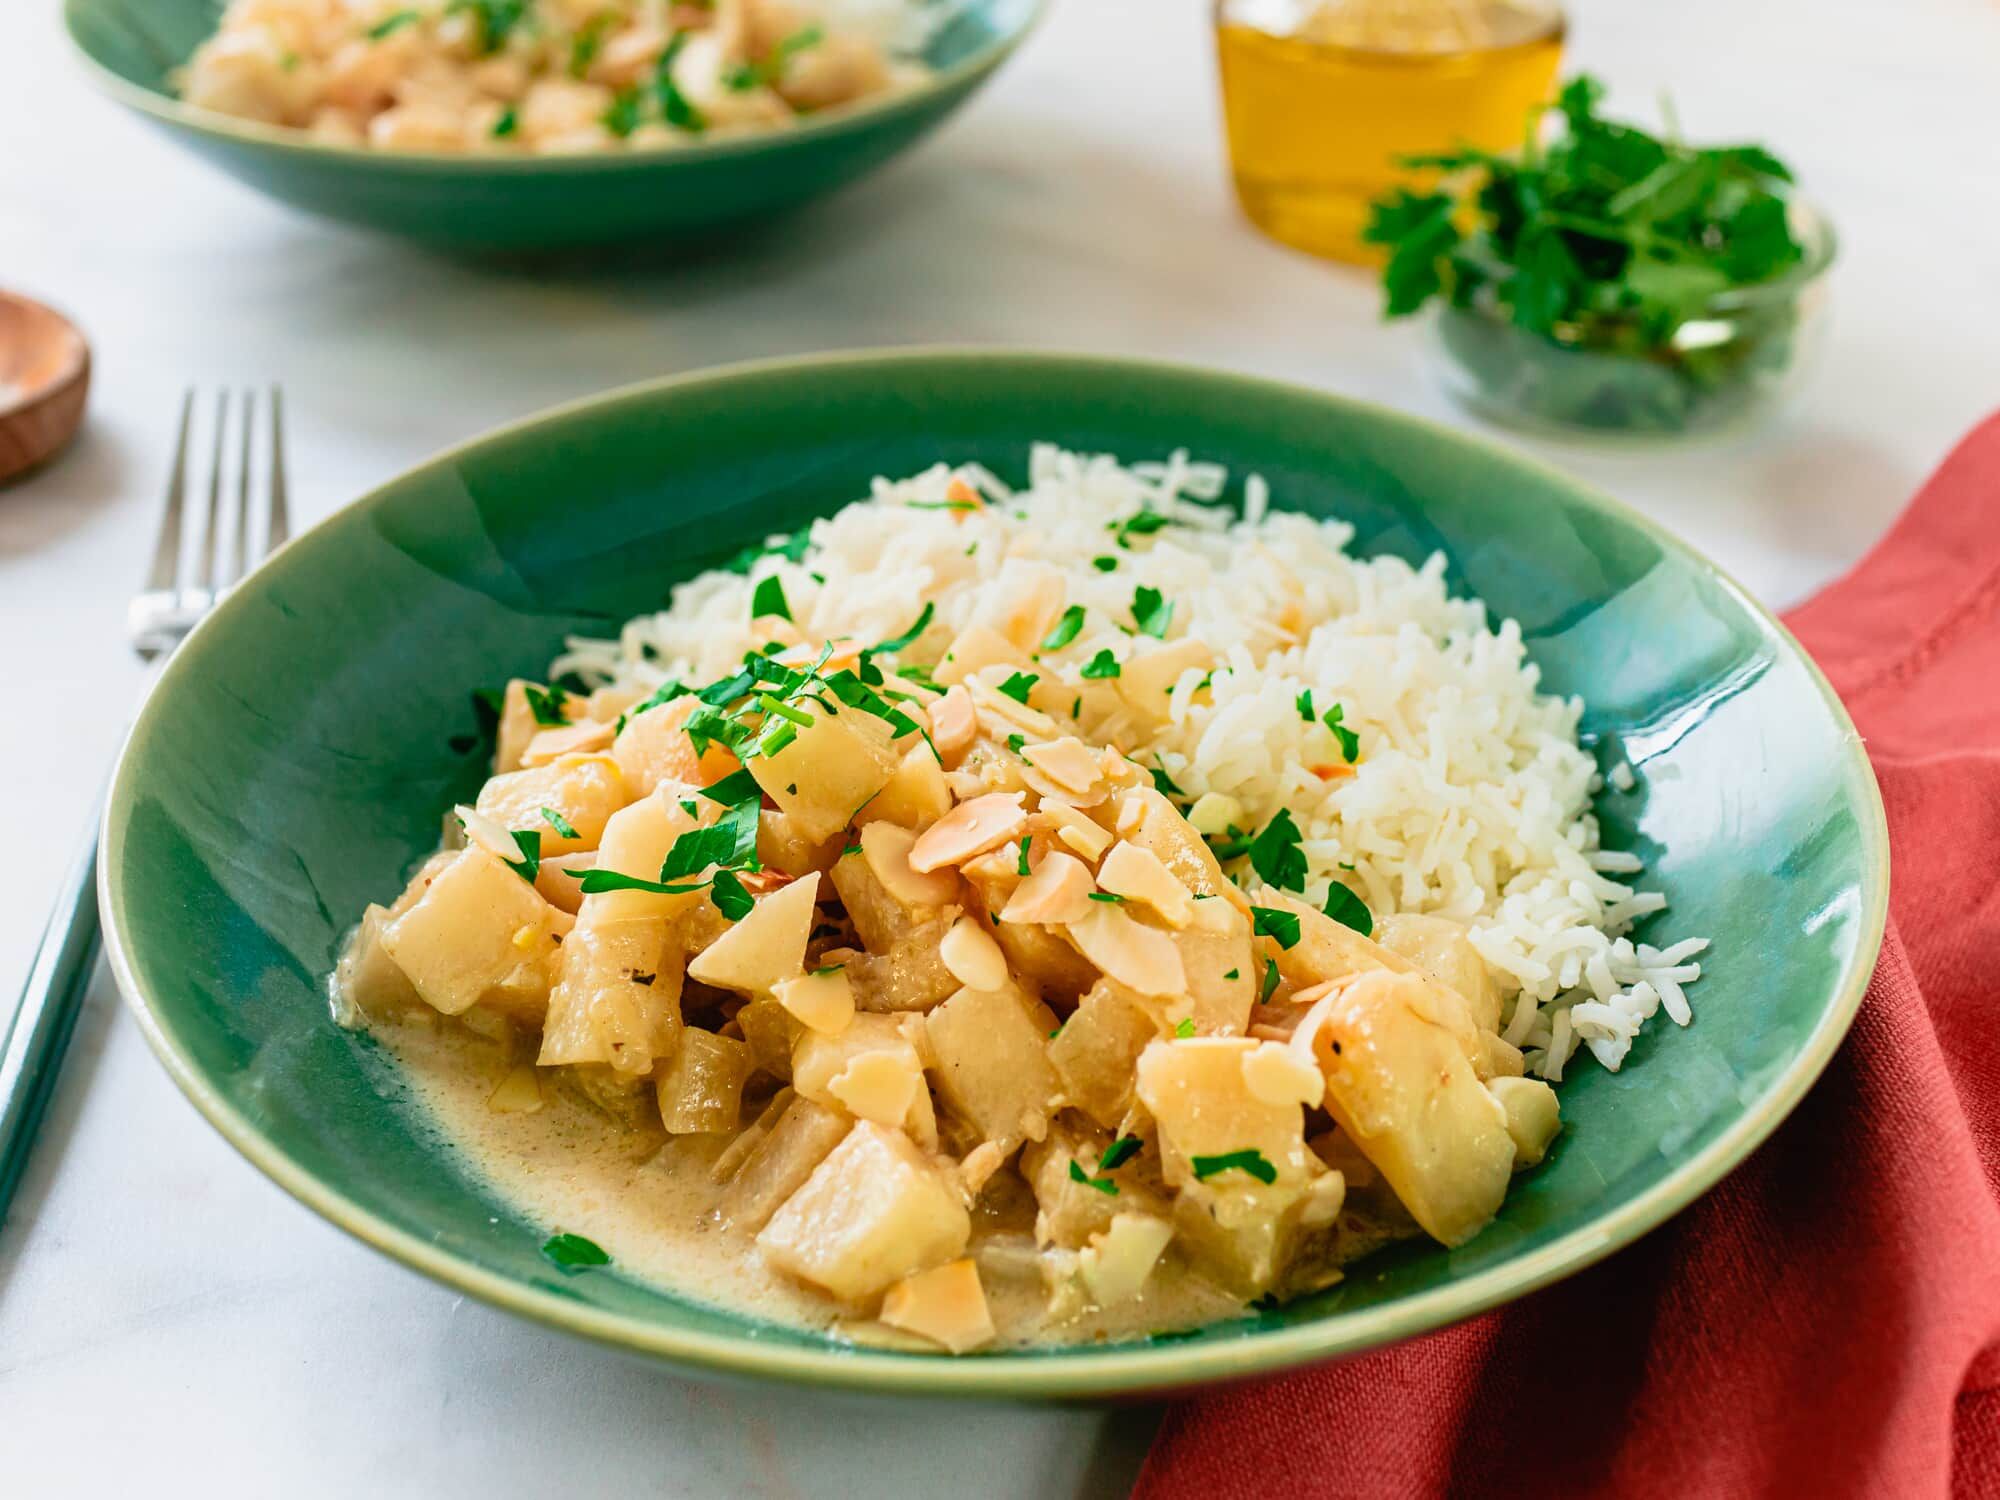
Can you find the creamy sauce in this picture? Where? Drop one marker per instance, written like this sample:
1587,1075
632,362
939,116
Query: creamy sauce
650,1200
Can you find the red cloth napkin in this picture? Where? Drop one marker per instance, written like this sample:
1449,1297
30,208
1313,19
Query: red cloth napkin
1826,1322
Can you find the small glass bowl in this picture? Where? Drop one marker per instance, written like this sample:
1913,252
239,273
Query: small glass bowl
1600,377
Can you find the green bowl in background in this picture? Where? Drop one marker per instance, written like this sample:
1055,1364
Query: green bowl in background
291,765
673,195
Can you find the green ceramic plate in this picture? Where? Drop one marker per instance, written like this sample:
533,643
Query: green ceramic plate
291,766
671,196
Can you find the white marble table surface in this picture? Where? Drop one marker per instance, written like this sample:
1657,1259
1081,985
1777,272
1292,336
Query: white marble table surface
171,1323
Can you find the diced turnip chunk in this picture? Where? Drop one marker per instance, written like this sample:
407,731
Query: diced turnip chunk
820,1063
1116,1263
617,995
830,771
876,1210
517,726
915,796
767,946
654,747
636,842
993,1067
1443,949
1399,1083
368,981
583,790
1098,1047
800,1140
478,933
701,1089
1533,1116
780,846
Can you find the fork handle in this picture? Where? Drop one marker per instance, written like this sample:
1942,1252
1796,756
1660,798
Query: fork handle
32,1054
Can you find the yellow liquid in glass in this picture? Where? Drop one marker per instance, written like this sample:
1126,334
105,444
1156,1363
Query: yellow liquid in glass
1318,115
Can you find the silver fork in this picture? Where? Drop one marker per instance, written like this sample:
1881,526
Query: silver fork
177,594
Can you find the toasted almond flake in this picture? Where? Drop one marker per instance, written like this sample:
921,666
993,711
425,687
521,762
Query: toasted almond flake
1140,875
878,1086
579,738
968,829
974,959
945,1304
953,723
1057,892
980,1163
1119,1259
519,1093
1277,1075
488,833
1324,1200
1131,813
1139,957
1088,837
1000,715
1067,761
823,1002
845,653
886,847
1215,813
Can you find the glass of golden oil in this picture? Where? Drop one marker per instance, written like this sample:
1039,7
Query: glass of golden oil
1321,97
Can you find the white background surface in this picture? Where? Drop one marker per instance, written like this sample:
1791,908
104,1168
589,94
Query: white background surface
170,1323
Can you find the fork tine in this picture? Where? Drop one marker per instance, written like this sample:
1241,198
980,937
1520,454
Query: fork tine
279,527
167,550
211,534
240,551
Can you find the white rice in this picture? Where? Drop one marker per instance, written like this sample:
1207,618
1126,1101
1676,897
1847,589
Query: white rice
1471,797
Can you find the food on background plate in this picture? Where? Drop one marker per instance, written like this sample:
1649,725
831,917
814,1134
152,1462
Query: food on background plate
549,76
995,916
1607,278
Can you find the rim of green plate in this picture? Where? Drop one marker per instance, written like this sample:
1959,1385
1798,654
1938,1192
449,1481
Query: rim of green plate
842,120
1066,1372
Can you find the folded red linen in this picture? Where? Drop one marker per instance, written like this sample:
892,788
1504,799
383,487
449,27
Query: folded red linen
1826,1322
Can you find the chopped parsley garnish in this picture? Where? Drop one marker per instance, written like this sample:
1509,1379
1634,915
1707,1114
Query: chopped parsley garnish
622,117
1145,523
1350,742
1276,854
734,789
792,548
1103,1185
1305,706
1270,985
917,628
825,969
559,823
850,849
392,23
546,704
1233,973
506,125
571,1253
594,882
729,896
768,598
1019,685
1118,1153
1067,629
1076,708
496,19
1272,923
1151,612
584,45
1109,896
675,107
529,842
731,840
1104,564
666,692
770,68
1348,909
1184,1028
1163,783
1017,743
1229,846
1250,1160
1104,664
1021,864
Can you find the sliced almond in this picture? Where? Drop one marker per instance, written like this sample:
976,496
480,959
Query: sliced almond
886,847
1000,715
1140,875
968,829
1086,836
1068,762
945,1304
975,960
1118,1260
823,1001
1139,957
1057,892
489,834
879,1086
580,738
845,653
1276,1074
953,723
